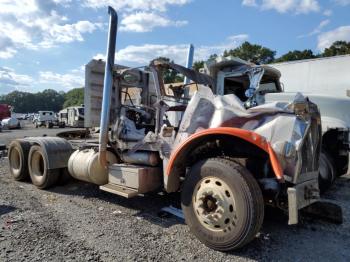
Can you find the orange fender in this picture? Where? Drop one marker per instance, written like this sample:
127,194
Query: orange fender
247,135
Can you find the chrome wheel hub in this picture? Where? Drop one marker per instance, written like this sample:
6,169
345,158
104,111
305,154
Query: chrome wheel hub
214,204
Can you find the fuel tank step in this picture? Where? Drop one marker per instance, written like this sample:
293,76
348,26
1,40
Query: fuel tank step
118,190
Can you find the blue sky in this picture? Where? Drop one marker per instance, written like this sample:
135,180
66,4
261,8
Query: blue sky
46,43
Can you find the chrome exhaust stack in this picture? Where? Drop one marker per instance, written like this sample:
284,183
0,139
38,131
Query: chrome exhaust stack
107,86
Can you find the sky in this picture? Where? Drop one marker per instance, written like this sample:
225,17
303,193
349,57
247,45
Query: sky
46,43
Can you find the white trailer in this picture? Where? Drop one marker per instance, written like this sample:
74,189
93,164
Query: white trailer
327,76
71,116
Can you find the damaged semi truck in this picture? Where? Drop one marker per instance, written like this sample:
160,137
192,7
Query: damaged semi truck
256,85
227,160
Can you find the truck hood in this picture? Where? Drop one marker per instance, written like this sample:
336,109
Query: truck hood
334,110
292,129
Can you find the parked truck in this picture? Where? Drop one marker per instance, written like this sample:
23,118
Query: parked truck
226,160
45,118
72,116
235,76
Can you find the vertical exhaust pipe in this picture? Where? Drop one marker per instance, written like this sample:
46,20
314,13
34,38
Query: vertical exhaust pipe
189,63
107,86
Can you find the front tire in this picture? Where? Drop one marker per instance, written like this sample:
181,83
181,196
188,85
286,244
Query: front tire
222,203
327,172
41,176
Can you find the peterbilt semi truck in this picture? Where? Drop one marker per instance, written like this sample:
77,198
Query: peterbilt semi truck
225,158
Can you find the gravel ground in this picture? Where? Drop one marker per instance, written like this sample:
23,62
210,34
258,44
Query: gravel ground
78,222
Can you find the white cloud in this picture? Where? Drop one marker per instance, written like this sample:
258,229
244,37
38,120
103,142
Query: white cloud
68,33
249,3
67,81
134,5
307,6
143,54
326,39
318,29
284,6
141,15
342,2
328,12
11,81
145,22
34,24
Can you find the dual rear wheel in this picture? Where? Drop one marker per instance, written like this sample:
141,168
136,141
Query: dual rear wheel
28,160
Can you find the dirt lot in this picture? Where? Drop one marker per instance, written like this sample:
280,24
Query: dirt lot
78,222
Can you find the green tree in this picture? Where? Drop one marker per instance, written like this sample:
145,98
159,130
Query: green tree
213,57
74,97
170,75
337,48
253,53
198,65
296,55
24,102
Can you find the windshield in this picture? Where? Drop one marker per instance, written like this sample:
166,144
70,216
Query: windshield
238,85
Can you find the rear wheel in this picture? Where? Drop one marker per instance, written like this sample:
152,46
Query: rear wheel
49,125
222,203
18,159
41,176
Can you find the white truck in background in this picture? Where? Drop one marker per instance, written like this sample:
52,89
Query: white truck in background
328,76
45,118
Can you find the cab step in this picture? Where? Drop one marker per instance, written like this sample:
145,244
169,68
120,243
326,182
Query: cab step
119,190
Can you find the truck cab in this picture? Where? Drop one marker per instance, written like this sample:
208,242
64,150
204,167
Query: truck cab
236,76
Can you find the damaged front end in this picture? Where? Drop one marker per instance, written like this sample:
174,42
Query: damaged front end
292,131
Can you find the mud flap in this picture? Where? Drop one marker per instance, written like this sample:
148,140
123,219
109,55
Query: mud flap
326,211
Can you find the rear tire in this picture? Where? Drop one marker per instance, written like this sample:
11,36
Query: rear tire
49,125
41,176
222,203
18,159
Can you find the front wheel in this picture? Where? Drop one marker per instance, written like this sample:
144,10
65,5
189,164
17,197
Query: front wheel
327,172
222,203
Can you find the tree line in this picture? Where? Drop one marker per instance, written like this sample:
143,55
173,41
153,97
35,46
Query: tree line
49,99
263,55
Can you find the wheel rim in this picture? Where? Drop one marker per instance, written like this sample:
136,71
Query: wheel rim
214,205
15,159
37,164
